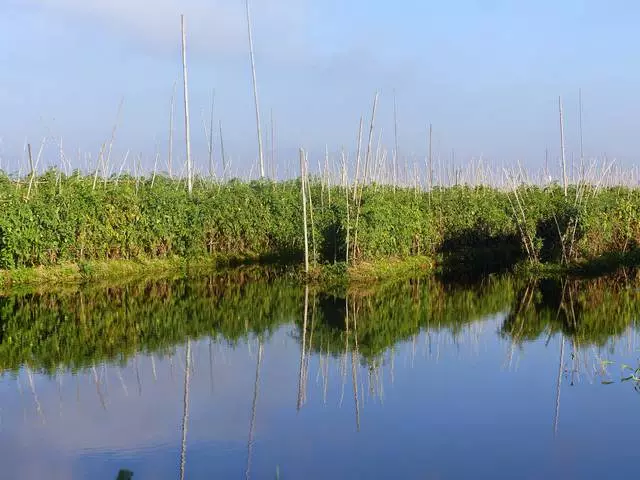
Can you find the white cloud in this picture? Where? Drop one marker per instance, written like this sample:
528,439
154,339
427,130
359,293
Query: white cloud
215,26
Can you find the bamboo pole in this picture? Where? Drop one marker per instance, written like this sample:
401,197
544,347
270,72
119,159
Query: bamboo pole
155,168
124,161
346,194
310,199
212,173
396,152
98,162
562,151
377,164
272,145
187,127
430,158
546,164
581,135
366,169
255,91
367,157
358,151
225,167
107,161
303,176
171,115
33,171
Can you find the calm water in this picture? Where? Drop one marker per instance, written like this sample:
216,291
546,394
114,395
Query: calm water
233,377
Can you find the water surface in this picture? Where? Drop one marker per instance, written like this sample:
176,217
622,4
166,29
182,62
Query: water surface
241,377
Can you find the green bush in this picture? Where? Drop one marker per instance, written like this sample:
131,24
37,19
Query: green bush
66,219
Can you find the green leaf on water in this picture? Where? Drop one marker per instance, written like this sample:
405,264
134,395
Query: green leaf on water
627,367
626,379
607,382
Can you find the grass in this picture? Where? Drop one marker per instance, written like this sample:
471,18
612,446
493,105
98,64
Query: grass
115,271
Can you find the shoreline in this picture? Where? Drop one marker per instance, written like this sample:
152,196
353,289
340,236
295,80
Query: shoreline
328,276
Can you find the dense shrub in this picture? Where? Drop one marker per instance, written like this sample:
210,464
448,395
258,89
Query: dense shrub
68,219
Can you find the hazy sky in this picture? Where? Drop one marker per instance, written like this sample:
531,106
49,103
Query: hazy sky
486,73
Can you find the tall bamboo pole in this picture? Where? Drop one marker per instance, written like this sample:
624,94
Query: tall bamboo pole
171,115
562,151
187,128
255,91
272,145
581,135
32,174
395,134
225,167
430,157
346,194
303,176
210,135
367,157
358,151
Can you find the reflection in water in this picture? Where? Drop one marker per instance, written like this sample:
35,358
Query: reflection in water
185,415
253,411
93,384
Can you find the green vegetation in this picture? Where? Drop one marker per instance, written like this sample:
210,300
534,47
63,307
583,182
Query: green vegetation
71,221
67,220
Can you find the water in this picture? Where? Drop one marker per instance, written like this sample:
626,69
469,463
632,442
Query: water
420,379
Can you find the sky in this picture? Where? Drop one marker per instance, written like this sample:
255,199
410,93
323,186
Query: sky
486,73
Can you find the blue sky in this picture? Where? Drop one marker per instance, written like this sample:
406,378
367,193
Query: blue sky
487,74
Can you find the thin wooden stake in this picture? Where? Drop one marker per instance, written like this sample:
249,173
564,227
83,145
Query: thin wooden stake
105,168
187,127
224,158
171,114
346,194
155,168
358,151
396,153
367,158
33,171
212,173
564,162
310,199
98,162
303,175
430,157
273,148
581,136
255,91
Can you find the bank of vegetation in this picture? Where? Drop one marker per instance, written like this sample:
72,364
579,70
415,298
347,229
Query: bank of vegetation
54,219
